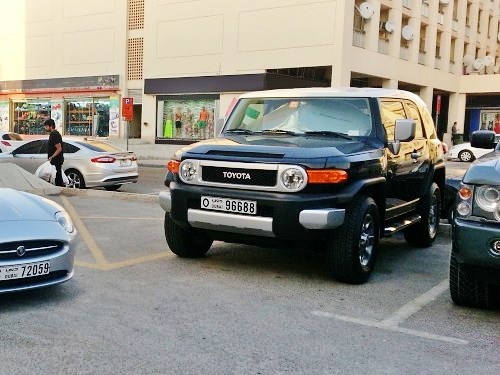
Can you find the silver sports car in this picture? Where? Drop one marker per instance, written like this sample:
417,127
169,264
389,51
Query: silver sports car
87,163
36,242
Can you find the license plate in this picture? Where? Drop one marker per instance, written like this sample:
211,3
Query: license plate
125,163
229,205
21,271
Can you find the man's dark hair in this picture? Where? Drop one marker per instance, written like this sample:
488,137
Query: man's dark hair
50,123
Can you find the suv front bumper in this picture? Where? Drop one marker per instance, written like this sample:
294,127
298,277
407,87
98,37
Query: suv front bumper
473,244
286,216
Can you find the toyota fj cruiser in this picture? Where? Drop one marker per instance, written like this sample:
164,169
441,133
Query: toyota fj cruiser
328,168
475,253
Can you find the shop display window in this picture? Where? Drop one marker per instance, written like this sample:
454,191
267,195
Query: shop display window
87,117
187,119
29,116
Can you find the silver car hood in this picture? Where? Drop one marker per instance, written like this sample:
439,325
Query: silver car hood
17,205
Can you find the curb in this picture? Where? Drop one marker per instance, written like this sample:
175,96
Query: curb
69,192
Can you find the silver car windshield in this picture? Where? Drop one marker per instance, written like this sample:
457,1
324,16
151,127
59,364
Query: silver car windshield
301,116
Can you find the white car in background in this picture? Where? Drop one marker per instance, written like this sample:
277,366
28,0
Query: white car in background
465,152
10,141
87,162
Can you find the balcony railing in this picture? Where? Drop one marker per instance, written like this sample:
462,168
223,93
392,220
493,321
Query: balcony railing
407,4
383,46
358,39
425,10
404,53
421,57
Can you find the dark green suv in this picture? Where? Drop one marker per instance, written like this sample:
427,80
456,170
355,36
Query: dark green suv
475,256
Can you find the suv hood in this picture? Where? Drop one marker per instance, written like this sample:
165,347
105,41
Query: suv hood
484,171
280,146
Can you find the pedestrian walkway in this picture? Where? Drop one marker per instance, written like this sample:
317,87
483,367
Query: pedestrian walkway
15,177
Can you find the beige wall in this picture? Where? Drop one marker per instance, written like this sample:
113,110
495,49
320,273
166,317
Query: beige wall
61,38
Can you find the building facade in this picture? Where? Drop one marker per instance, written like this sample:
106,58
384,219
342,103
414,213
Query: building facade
184,62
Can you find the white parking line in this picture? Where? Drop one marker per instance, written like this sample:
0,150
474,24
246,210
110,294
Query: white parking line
392,322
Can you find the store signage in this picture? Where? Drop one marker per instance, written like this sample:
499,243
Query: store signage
128,108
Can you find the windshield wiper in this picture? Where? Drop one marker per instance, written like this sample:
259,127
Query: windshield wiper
330,133
279,131
243,131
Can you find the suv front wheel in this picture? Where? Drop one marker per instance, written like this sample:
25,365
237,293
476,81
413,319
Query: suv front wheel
465,289
352,248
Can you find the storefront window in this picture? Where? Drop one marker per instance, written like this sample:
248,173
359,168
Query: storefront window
87,117
490,120
188,119
29,116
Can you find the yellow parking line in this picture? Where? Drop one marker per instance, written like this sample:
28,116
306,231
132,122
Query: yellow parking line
82,229
131,262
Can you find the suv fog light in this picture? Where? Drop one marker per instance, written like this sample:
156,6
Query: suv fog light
464,209
495,248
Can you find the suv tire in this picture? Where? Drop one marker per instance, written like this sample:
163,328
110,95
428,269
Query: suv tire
185,243
352,248
424,233
465,289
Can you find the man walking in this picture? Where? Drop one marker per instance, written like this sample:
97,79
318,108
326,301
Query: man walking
55,150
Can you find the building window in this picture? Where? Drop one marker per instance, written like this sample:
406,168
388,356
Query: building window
187,119
30,114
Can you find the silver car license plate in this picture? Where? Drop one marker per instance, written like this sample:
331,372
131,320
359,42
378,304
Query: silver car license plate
21,271
229,205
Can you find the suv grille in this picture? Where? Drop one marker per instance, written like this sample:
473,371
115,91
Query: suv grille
238,176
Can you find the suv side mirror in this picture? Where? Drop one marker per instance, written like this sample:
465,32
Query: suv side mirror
483,139
404,130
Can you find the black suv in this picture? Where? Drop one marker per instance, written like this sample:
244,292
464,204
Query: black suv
475,254
332,169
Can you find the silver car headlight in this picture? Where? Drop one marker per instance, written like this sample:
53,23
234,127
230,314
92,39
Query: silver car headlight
187,171
64,220
487,199
479,201
293,178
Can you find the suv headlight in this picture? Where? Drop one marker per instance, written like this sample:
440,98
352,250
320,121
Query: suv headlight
187,171
293,179
479,201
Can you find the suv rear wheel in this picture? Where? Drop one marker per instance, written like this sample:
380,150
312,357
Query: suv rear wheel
352,248
424,233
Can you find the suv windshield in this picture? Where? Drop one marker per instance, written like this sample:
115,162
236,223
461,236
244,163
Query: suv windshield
319,116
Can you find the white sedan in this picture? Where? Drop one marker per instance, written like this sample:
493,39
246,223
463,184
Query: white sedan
36,242
10,141
465,152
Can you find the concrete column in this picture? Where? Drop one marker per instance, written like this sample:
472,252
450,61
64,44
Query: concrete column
426,93
390,83
456,111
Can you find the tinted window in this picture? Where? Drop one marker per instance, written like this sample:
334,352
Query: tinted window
35,147
99,146
415,115
69,149
12,137
391,111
